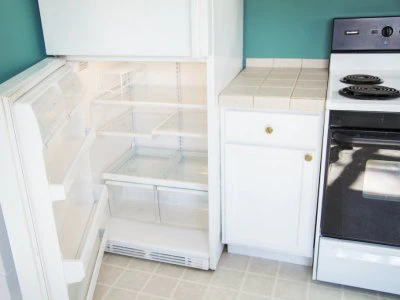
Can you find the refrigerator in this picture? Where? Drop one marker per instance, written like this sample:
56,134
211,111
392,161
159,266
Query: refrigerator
116,149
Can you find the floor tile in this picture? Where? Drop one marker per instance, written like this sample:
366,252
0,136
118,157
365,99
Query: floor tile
149,297
227,278
324,292
234,261
143,265
109,274
386,296
170,270
189,291
199,276
99,292
117,294
351,293
215,293
160,286
295,272
118,260
263,266
257,284
246,296
132,280
290,290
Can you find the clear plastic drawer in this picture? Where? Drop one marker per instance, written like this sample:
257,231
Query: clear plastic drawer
132,201
180,207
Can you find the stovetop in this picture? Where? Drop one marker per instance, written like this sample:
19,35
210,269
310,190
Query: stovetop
384,66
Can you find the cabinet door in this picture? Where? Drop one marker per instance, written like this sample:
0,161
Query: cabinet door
119,28
270,197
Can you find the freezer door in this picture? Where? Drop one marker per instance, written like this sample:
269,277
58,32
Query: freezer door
151,28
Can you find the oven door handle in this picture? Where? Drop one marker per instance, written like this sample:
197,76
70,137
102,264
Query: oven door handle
347,139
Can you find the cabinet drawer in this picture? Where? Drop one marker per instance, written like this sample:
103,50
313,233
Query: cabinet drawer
276,129
185,208
132,201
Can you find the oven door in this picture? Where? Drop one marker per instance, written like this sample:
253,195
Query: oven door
362,191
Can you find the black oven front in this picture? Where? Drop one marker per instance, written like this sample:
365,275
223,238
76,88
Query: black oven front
361,201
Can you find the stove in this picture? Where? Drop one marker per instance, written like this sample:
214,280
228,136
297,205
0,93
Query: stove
358,229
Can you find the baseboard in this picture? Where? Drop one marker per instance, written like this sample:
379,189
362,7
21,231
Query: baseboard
268,254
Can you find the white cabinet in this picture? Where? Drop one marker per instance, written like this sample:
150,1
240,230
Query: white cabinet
151,28
270,190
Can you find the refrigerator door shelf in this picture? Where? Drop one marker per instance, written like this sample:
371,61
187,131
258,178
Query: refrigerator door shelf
63,166
78,234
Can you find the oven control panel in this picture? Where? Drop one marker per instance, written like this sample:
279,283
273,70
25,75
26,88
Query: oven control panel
366,34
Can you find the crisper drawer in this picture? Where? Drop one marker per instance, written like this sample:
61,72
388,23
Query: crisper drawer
273,129
185,208
359,264
132,201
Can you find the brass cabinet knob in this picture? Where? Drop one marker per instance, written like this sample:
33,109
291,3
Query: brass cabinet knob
269,130
308,157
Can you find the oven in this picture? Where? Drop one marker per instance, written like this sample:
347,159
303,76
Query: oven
361,201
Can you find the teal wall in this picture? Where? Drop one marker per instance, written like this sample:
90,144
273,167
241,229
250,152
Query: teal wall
21,38
301,28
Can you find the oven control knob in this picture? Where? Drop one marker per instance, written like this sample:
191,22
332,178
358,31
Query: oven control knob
387,31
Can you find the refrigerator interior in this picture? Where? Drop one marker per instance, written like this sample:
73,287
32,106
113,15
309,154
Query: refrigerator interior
120,151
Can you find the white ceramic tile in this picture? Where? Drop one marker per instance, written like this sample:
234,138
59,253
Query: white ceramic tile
314,71
189,291
315,63
143,265
287,63
236,101
260,62
285,71
290,290
199,276
170,270
306,105
247,81
160,286
279,83
282,76
118,260
233,261
109,274
385,296
272,103
227,278
258,284
263,266
255,71
351,293
247,296
132,280
117,294
100,292
238,91
215,293
312,94
149,297
312,84
294,272
274,92
321,292
251,73
323,76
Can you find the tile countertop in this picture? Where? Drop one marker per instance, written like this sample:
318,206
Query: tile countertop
283,88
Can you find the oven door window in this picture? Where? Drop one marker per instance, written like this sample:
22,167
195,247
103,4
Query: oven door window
362,192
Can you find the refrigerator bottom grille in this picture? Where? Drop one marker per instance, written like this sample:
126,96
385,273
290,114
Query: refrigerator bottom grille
156,255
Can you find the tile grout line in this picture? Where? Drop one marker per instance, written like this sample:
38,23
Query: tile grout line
244,277
276,280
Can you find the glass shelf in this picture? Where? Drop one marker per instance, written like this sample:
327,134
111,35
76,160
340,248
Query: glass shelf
191,96
161,167
185,124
